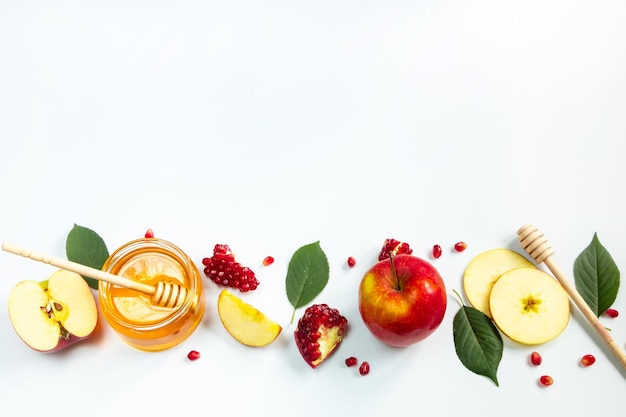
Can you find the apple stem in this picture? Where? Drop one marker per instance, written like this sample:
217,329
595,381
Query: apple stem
393,271
460,298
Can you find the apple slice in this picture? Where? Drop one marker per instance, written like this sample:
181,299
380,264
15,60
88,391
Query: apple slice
484,270
53,314
244,322
529,306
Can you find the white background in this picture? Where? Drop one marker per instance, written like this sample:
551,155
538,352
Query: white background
270,124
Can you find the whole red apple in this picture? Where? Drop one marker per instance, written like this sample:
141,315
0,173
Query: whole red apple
402,300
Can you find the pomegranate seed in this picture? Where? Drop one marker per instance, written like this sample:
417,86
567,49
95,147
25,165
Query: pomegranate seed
193,355
587,360
436,251
535,358
149,234
268,260
460,246
364,369
546,380
351,261
351,361
612,313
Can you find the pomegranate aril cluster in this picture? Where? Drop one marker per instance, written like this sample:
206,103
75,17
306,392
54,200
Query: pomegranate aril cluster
312,327
392,247
223,269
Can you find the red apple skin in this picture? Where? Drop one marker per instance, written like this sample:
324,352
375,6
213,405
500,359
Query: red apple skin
406,310
63,343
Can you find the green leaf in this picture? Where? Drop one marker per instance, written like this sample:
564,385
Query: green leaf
477,342
85,247
307,275
596,276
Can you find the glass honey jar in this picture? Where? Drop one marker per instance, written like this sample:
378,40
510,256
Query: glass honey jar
137,320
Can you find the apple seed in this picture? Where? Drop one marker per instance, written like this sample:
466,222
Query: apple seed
44,309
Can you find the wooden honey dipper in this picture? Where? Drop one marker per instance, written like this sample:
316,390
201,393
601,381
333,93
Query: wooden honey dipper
536,245
164,294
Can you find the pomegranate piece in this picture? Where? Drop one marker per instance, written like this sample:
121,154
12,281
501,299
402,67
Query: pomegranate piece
319,333
546,380
351,361
268,260
437,251
587,360
149,234
364,369
351,261
223,269
394,247
460,246
612,313
535,358
193,355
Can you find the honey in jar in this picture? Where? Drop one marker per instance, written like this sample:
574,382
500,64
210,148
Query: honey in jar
138,321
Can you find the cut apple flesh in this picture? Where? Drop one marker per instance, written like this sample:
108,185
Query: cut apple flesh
484,270
244,322
32,324
81,312
529,306
47,315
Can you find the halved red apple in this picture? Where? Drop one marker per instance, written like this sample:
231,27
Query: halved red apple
53,314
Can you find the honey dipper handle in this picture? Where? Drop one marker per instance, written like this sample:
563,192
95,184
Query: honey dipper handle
79,268
619,354
536,245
